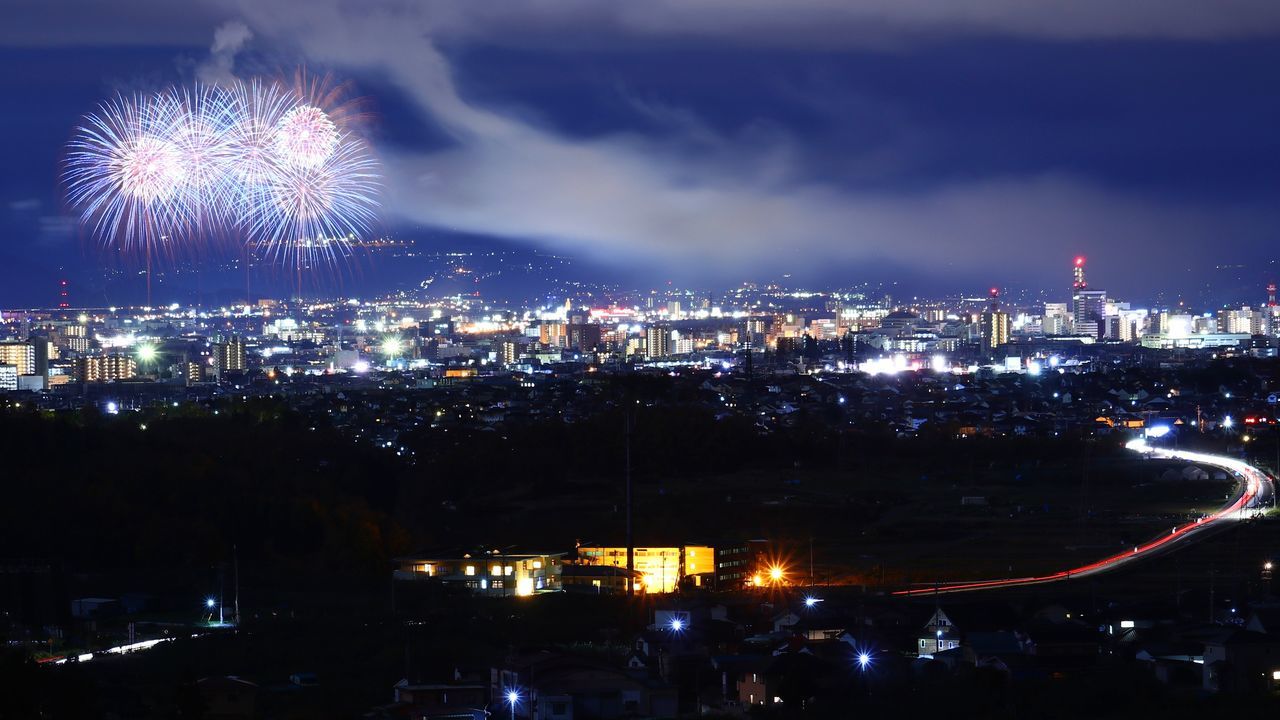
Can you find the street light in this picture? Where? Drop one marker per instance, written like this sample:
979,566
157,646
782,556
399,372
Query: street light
775,573
864,660
513,699
391,347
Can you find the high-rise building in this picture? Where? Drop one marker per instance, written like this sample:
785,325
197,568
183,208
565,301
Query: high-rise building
510,350
228,356
1235,321
1088,307
584,336
19,354
553,334
994,323
657,341
106,368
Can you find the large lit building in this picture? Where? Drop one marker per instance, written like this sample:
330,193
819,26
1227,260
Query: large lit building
662,568
228,356
1088,307
106,368
8,377
19,354
657,341
491,572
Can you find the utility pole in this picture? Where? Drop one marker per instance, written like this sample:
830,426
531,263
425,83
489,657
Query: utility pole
631,548
235,566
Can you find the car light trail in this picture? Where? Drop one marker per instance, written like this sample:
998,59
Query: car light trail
1256,485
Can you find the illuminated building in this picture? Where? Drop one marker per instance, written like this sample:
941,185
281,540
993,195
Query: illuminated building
553,334
1057,319
657,341
8,377
21,355
994,324
491,572
662,568
510,352
228,356
1088,307
106,368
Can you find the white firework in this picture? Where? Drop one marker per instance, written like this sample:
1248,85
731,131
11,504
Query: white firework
306,137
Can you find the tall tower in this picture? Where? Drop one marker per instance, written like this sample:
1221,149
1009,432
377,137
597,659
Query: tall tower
994,324
1271,294
1078,274
64,299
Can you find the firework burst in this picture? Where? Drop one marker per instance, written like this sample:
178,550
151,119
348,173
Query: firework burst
305,216
281,167
125,172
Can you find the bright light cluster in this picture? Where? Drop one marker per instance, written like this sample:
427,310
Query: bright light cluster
255,160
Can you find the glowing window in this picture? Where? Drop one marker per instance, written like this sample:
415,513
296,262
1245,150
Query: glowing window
471,570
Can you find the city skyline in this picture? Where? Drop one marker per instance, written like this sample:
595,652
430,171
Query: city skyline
831,143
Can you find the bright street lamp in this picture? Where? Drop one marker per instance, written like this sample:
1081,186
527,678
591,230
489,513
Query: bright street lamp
513,699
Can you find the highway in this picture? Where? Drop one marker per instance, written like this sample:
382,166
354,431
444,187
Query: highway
1256,491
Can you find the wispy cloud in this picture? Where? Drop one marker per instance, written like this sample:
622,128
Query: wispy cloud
735,206
228,40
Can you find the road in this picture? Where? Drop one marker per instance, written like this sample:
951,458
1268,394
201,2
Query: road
1256,491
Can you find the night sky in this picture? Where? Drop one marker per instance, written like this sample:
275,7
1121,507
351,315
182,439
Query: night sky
939,144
